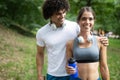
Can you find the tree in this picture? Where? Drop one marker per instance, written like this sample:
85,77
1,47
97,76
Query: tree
22,12
107,13
28,13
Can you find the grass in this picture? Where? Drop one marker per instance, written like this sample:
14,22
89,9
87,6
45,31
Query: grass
17,56
114,58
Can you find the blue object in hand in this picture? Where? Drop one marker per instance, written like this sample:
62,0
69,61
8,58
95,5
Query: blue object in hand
72,62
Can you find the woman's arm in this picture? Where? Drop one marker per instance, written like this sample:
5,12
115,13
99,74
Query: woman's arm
103,63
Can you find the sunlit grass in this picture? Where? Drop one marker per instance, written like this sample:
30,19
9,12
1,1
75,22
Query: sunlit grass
17,57
114,58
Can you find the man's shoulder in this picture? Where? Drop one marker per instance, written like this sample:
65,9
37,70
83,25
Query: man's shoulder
46,26
43,29
71,23
68,21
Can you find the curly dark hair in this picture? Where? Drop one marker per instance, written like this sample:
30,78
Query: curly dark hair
51,6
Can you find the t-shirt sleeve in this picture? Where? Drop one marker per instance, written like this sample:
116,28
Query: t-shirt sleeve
39,40
77,28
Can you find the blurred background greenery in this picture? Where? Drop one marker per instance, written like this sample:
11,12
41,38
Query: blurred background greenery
19,21
27,14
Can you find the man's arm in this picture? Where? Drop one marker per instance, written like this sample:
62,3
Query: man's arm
40,62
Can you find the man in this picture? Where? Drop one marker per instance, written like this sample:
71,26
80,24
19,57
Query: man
53,37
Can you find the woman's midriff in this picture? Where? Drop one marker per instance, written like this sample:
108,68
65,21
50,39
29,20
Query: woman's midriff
88,71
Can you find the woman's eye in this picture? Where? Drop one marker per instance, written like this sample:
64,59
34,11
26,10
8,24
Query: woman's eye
91,19
84,19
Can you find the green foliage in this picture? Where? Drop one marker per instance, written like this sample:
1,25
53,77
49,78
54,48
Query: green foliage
5,21
28,13
22,12
116,25
107,11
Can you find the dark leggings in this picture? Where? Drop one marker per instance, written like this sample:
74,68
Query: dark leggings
50,77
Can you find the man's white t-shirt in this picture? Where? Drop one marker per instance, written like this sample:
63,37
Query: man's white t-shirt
55,42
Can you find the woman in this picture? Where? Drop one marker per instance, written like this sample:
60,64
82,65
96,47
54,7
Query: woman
87,50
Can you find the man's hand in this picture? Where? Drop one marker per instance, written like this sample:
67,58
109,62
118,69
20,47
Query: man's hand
104,40
41,78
